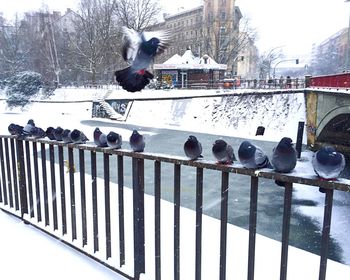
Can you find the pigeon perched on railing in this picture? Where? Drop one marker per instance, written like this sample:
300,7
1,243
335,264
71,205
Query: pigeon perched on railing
15,129
100,139
66,136
57,133
37,132
28,127
252,156
114,140
193,148
328,163
78,137
137,142
49,133
284,156
139,51
223,152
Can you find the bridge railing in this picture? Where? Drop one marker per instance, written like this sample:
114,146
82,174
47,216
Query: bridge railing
66,190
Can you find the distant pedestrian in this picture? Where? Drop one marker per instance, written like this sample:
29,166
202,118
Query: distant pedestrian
280,82
289,82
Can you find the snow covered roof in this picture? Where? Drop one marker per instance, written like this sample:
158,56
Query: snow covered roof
189,61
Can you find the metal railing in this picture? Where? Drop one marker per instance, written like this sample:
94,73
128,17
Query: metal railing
25,186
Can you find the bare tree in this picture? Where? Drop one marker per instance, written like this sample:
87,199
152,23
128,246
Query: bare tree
137,14
266,60
93,36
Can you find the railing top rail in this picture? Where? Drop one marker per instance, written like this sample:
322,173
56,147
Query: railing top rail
309,179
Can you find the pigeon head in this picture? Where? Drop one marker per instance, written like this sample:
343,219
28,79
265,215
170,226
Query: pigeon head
150,47
12,129
31,122
219,146
135,136
75,134
192,139
328,156
285,143
246,150
112,136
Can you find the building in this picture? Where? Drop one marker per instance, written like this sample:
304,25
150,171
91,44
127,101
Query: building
210,29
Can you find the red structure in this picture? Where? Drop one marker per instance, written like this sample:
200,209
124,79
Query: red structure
341,80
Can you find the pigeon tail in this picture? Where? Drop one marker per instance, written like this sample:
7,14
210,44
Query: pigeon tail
133,81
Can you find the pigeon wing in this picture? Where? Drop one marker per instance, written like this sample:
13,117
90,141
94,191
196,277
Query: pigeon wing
131,43
164,36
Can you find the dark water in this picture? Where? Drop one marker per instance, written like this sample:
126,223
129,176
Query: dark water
305,232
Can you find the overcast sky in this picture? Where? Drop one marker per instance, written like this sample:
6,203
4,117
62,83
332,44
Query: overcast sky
293,24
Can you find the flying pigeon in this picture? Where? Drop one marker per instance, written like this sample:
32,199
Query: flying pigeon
28,127
223,152
137,142
57,133
78,137
252,156
328,163
66,136
100,139
49,133
37,132
114,140
139,51
193,148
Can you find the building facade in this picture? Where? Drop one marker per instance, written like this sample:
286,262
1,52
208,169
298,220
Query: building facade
210,29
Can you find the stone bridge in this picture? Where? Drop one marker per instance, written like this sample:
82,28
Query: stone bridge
328,118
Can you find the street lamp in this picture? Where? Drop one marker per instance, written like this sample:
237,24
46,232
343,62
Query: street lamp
294,59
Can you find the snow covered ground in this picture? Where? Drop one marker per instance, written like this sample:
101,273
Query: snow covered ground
217,115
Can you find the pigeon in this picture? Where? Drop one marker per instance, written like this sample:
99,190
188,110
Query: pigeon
28,127
66,136
15,129
57,133
284,157
223,152
100,138
37,132
193,148
139,51
49,133
252,156
137,142
78,137
114,140
328,163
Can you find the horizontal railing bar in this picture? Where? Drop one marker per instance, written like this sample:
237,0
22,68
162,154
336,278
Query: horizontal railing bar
343,185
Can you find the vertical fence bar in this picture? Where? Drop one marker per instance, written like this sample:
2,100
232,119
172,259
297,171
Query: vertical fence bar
37,185
3,176
94,200
46,198
8,170
177,197
14,172
53,186
107,205
62,190
121,210
252,226
29,177
157,233
223,218
325,232
2,185
71,167
199,211
299,141
285,229
139,216
83,196
21,178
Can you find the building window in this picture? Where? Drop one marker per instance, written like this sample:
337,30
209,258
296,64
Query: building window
223,15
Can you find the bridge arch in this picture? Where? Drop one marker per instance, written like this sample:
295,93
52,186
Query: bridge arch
335,126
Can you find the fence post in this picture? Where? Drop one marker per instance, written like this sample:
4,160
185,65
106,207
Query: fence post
21,178
139,216
299,138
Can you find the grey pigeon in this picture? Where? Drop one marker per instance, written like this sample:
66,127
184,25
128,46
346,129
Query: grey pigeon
137,142
100,139
328,163
193,148
139,51
252,156
28,127
15,129
49,133
78,137
37,132
57,133
223,152
66,136
284,156
114,140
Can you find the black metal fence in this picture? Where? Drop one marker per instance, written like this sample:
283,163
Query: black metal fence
67,206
